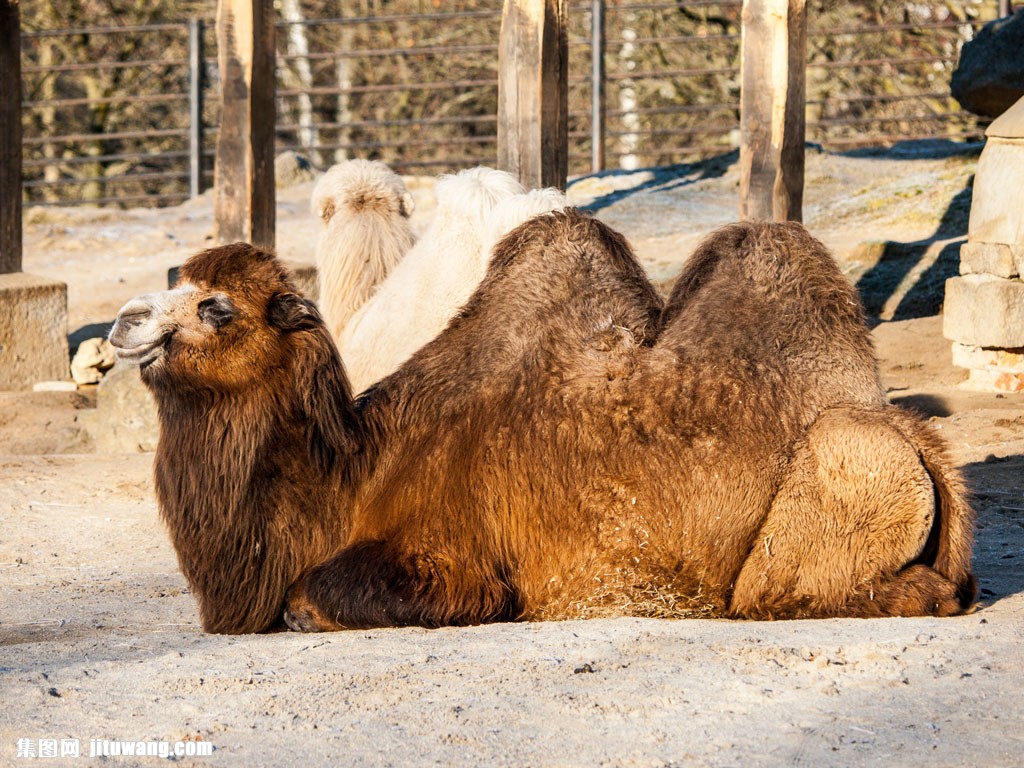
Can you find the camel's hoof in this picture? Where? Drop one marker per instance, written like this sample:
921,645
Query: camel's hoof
302,616
300,621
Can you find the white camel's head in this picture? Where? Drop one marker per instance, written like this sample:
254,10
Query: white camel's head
470,195
355,186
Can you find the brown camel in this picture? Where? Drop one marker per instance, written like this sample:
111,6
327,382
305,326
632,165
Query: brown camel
564,448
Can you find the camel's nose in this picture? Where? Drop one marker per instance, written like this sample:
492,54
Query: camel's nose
135,312
136,324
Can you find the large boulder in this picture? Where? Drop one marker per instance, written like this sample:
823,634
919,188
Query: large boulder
291,168
990,76
125,418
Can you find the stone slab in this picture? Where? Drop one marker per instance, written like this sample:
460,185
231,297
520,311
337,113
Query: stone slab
1010,124
994,381
997,214
33,331
988,258
984,311
55,386
1002,360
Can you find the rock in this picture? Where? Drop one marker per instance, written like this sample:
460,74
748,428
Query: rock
54,386
991,258
990,75
291,168
984,311
94,358
984,380
33,330
1010,124
1000,360
125,419
997,215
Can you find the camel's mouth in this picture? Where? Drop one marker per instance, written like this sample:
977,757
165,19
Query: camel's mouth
141,355
145,324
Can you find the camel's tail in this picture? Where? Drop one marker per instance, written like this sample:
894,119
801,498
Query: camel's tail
949,546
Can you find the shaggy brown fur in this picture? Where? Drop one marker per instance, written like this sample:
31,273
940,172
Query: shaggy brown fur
249,440
552,454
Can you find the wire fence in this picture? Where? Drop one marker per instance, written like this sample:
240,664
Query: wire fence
128,115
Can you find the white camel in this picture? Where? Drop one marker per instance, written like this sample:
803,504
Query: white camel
475,208
365,208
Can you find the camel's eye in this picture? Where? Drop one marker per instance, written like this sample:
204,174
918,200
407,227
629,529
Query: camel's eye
217,310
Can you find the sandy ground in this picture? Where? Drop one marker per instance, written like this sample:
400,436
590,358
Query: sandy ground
99,638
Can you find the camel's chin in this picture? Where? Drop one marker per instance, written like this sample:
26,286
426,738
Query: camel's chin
143,355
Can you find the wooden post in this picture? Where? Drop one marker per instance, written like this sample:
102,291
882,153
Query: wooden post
10,137
33,310
772,121
597,116
195,106
533,92
243,205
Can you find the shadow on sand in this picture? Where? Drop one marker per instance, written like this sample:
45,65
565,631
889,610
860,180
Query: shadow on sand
999,544
662,179
882,286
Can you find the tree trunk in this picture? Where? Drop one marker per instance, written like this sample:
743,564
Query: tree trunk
629,141
298,45
243,202
533,92
343,116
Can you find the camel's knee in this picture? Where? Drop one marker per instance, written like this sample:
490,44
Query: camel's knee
374,584
365,585
876,497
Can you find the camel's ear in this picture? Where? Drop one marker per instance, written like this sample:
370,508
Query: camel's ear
291,312
327,210
406,205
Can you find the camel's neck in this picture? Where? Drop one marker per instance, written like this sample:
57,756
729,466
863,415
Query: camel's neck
249,501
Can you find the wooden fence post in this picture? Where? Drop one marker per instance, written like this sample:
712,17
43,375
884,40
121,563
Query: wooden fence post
10,137
533,92
195,106
244,200
597,78
772,99
34,314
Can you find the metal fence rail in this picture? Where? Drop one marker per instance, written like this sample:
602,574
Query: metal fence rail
128,115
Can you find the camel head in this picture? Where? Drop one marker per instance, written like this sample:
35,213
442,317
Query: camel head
470,194
357,186
224,325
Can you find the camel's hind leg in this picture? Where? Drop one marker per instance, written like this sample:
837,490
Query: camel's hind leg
850,532
374,584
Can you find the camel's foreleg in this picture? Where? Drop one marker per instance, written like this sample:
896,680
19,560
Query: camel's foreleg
373,584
